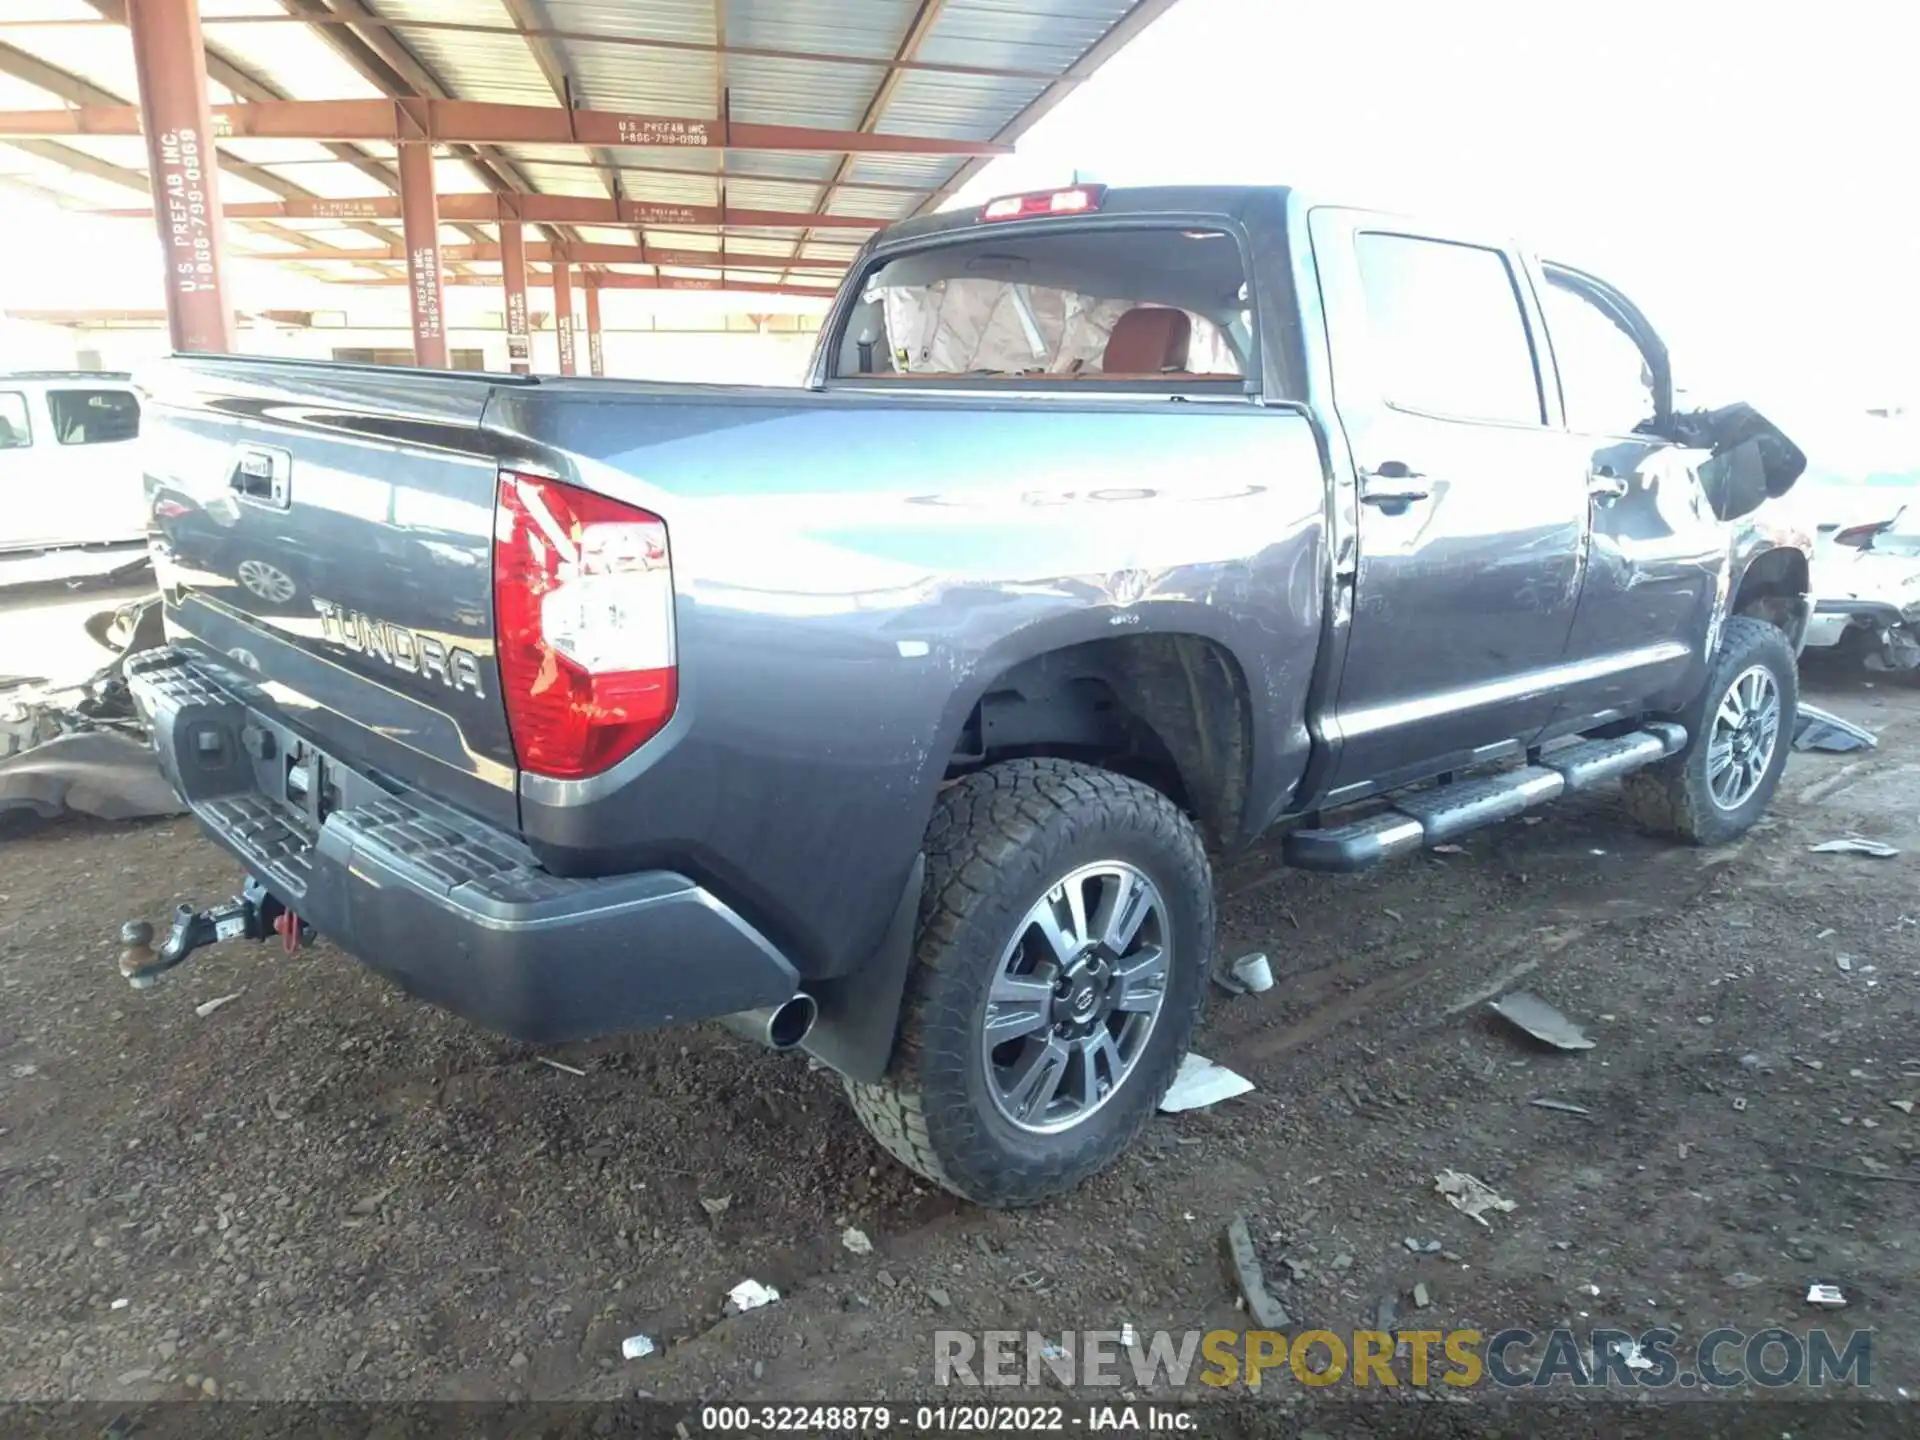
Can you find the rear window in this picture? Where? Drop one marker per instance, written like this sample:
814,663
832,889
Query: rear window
93,417
1096,305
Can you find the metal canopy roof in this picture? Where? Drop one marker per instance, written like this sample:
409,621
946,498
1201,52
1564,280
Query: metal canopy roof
914,96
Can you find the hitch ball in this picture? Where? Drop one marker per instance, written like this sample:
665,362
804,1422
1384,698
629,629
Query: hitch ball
136,954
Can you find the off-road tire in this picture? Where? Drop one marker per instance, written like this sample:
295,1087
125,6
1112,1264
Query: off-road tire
999,839
1671,797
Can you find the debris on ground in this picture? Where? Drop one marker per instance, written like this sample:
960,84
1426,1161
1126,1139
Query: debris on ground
207,1007
1199,1082
561,1066
1629,1350
1422,1247
1470,1196
1251,974
1254,972
1566,1107
1267,1312
637,1347
1449,849
750,1295
856,1241
1540,1020
1421,1299
1905,1107
1845,962
1741,1280
716,1206
1825,1295
82,747
1817,729
1854,845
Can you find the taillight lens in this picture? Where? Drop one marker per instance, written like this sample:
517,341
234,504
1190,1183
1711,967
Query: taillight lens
583,616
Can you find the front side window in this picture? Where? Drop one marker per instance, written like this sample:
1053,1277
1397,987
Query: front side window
93,417
1448,329
1095,305
1605,380
16,430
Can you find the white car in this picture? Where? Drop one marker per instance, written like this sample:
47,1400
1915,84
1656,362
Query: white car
1866,588
70,470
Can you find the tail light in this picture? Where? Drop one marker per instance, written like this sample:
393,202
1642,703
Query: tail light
583,616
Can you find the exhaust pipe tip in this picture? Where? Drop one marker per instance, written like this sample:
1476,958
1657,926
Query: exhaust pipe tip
778,1027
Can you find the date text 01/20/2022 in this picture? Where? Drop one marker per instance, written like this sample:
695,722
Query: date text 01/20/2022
945,1419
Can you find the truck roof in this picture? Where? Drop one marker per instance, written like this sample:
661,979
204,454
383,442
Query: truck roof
117,376
1221,200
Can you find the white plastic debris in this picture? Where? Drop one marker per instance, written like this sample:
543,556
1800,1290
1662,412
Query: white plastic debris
751,1295
1629,1350
1853,845
1254,972
1470,1196
856,1241
1449,849
120,1304
1845,962
1541,1020
560,1065
206,1008
1199,1082
637,1347
1825,1295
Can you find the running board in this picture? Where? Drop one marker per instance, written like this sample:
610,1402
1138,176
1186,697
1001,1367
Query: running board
1432,817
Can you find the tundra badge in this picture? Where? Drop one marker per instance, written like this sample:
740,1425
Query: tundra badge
400,647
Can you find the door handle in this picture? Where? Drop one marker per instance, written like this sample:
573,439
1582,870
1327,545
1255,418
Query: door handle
1392,487
1604,487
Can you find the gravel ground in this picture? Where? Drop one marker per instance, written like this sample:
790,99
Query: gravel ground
326,1190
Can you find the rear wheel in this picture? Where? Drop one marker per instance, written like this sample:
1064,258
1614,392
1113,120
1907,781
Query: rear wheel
1061,963
1741,733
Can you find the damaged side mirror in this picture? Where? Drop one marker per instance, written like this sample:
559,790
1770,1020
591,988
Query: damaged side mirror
1752,461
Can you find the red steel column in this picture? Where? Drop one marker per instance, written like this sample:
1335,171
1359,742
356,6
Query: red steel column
420,219
171,64
563,313
596,355
513,276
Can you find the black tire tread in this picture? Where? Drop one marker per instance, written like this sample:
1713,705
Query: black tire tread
978,843
1670,798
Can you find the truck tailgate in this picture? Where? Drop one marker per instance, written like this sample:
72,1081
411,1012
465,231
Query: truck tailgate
326,531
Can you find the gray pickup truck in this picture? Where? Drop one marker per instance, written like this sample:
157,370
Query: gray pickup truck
894,717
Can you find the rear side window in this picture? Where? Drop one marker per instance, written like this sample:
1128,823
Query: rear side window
1448,329
16,429
93,417
1606,382
1098,305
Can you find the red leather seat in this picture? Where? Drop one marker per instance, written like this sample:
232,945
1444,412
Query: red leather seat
1148,340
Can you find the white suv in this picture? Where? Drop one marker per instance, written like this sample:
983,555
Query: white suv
69,467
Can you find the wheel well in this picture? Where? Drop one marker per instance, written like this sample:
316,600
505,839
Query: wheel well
1774,589
1170,710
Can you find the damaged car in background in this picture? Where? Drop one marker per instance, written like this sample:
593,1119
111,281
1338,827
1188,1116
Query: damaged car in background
82,747
1866,590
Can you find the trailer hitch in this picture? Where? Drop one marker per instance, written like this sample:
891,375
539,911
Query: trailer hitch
253,914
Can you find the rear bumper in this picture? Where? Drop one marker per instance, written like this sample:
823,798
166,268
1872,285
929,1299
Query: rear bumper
452,910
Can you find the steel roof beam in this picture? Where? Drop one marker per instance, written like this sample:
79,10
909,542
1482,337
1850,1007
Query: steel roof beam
371,22
581,253
917,31
55,81
490,208
480,122
618,280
